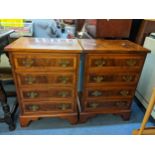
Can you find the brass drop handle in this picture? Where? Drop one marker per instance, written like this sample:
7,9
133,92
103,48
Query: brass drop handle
28,62
100,63
120,104
64,63
127,78
63,94
34,107
93,105
98,79
124,92
63,106
30,79
131,62
96,93
64,79
32,94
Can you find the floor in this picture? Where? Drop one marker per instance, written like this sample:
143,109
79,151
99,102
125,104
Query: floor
99,125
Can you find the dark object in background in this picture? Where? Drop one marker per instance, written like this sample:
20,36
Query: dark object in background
134,29
6,78
113,28
146,27
104,28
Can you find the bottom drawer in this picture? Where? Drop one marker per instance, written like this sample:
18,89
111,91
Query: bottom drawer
48,107
106,105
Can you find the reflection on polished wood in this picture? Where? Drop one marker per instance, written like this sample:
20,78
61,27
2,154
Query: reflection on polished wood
45,44
113,46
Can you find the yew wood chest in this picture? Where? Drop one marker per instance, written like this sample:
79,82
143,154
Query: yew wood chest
45,73
111,72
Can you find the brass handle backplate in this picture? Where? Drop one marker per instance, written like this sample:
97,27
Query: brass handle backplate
98,79
127,78
124,92
63,79
100,63
32,94
33,107
122,104
131,62
63,93
93,105
96,93
63,106
28,62
64,63
30,79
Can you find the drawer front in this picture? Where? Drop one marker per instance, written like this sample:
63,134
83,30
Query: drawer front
97,79
38,79
48,107
47,94
45,62
102,61
94,93
105,105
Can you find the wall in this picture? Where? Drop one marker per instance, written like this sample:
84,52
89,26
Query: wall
4,61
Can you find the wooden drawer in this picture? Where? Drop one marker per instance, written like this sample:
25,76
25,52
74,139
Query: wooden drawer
45,107
109,61
98,79
45,62
47,94
108,92
38,79
106,105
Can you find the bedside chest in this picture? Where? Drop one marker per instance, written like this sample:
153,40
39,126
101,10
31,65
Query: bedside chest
111,71
45,73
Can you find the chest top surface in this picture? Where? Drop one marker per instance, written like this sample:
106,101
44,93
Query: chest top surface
44,44
100,45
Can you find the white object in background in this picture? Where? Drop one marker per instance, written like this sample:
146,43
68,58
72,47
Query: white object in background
147,79
4,62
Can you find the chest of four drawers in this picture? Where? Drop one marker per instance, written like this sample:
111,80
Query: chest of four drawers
112,78
46,78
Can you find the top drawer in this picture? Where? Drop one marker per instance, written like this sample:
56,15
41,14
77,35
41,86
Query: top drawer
45,61
115,61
